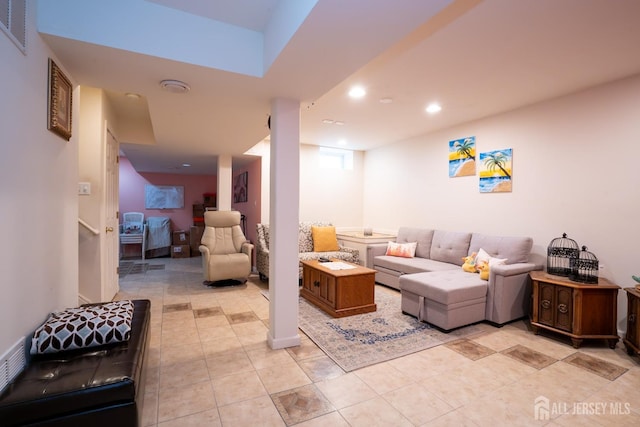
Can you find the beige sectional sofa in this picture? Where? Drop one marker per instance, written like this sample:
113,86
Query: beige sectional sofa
436,289
305,248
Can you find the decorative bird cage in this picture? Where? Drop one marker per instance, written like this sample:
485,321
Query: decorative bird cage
584,268
559,253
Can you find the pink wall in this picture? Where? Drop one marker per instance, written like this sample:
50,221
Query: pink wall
132,193
132,196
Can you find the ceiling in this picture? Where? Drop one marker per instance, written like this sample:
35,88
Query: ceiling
476,58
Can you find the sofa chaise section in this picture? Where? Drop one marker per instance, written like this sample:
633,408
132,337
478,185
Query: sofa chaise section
444,298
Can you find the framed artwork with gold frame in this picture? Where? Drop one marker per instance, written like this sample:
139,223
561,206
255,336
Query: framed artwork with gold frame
59,105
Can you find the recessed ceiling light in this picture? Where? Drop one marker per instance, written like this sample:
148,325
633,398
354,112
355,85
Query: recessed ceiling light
327,121
386,100
357,92
131,95
338,122
186,165
433,108
175,86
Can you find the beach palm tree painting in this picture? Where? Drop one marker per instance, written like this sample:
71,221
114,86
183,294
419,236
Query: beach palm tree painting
462,157
496,171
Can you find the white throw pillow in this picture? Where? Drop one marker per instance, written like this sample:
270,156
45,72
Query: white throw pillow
483,256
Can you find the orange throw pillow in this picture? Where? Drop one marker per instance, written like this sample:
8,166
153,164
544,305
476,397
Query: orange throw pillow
324,239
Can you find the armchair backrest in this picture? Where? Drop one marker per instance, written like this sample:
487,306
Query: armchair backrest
222,232
132,222
262,235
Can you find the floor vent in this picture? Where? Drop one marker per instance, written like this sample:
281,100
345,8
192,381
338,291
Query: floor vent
12,363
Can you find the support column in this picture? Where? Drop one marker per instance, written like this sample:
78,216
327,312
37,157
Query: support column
283,223
225,182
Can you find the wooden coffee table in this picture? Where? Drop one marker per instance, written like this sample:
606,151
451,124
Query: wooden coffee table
339,292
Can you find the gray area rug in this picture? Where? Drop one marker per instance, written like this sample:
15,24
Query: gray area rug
354,342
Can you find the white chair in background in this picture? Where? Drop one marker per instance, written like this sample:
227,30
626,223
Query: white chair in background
133,231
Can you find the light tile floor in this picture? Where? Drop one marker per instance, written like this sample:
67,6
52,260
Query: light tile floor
209,365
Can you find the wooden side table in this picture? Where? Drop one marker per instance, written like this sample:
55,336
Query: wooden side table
632,337
577,310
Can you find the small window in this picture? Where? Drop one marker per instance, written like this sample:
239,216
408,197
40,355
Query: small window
335,158
13,20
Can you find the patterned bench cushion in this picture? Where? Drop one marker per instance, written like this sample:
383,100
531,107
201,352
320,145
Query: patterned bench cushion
85,326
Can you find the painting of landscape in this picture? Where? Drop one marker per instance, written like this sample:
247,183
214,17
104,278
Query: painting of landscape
496,171
462,157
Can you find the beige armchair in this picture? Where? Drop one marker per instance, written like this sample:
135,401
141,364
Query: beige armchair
226,253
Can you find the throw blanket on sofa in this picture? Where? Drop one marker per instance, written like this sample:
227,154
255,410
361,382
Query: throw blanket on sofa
159,232
85,326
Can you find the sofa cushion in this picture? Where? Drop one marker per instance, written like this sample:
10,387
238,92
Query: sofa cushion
410,265
308,256
514,249
324,238
305,239
422,236
446,287
450,246
404,250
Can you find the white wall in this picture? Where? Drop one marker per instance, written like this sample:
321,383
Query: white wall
38,187
95,111
574,172
329,194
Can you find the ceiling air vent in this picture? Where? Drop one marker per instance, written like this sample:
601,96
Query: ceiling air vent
175,86
13,21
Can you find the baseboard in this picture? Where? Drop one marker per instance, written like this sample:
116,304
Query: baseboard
279,343
83,300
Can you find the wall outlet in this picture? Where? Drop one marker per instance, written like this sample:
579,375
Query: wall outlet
84,188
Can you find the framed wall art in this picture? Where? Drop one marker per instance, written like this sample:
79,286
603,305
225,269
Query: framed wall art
59,105
462,157
240,188
163,196
496,173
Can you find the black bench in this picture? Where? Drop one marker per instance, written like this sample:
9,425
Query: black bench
99,386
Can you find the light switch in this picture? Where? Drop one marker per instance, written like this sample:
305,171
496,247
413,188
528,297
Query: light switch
84,188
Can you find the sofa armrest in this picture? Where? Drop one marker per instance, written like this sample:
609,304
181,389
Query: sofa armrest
509,292
374,250
513,269
377,249
355,254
